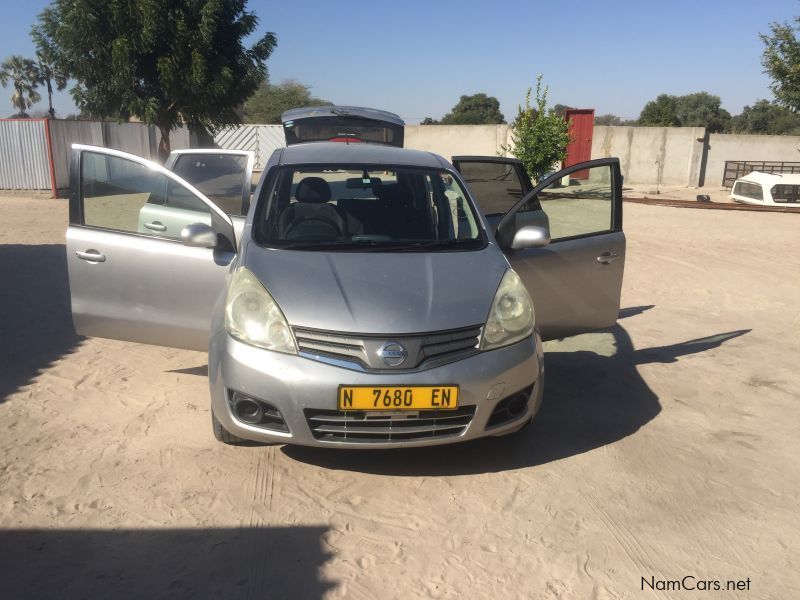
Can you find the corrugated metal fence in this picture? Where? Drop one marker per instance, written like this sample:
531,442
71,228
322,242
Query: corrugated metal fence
28,162
34,153
24,156
261,139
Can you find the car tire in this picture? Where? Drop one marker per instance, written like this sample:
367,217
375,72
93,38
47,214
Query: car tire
225,436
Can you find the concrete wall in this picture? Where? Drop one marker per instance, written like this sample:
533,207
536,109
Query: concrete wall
649,155
724,147
451,140
653,155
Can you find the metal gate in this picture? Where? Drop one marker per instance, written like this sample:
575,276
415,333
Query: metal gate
739,168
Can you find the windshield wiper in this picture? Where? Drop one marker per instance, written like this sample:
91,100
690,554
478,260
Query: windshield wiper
381,245
423,246
344,245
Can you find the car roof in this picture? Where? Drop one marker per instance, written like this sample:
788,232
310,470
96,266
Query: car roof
770,179
341,111
358,154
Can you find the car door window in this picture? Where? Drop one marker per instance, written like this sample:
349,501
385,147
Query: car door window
576,205
220,177
119,194
496,186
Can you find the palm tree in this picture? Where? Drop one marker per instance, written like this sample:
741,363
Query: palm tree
47,75
24,77
46,64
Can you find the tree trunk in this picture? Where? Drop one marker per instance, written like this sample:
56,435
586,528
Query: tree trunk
19,102
50,99
163,144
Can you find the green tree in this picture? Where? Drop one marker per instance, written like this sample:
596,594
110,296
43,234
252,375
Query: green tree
661,112
270,101
21,72
766,118
539,137
561,110
608,119
429,121
168,62
48,73
477,109
700,109
781,61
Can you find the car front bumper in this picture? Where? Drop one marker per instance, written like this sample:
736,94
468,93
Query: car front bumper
298,386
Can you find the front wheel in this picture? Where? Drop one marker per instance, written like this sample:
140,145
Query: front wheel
225,436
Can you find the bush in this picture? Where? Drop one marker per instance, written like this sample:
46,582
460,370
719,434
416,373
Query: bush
540,138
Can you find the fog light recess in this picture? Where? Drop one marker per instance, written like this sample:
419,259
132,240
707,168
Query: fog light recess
510,408
255,412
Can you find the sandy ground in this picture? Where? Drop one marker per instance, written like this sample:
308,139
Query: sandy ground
676,192
666,448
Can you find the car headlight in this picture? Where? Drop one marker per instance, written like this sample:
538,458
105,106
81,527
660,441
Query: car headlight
511,317
253,317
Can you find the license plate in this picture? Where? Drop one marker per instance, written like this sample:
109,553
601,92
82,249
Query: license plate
418,397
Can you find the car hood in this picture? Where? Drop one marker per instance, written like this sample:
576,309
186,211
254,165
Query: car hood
380,292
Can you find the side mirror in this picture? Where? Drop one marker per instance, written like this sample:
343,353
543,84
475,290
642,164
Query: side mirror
530,236
199,235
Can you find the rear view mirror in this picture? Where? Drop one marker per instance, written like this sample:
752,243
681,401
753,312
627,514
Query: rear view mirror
363,183
199,235
530,236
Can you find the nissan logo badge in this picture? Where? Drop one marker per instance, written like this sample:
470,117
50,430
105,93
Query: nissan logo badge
393,354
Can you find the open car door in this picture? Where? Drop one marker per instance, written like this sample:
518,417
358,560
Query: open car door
497,183
136,271
575,279
223,176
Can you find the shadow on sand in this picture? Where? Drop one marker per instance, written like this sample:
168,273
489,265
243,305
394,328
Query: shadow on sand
591,399
259,562
35,319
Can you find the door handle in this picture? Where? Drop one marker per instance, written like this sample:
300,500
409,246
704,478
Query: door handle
156,226
91,256
607,257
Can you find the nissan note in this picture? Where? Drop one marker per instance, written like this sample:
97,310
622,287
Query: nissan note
368,296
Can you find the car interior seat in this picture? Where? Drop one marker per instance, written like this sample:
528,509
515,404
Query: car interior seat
312,217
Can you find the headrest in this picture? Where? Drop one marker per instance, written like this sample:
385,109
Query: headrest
313,190
394,192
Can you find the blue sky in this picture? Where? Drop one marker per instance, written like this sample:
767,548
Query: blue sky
416,58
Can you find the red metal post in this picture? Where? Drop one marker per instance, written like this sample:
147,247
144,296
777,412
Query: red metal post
49,139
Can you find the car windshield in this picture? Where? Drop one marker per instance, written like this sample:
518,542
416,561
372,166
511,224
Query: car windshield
366,208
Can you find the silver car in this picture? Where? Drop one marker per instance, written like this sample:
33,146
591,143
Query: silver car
369,296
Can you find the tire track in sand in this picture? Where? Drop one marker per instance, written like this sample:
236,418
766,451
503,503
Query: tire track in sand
634,551
261,492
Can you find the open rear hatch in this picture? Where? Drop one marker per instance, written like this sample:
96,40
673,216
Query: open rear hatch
351,124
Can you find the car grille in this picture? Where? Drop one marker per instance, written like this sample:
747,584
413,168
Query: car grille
375,427
361,350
